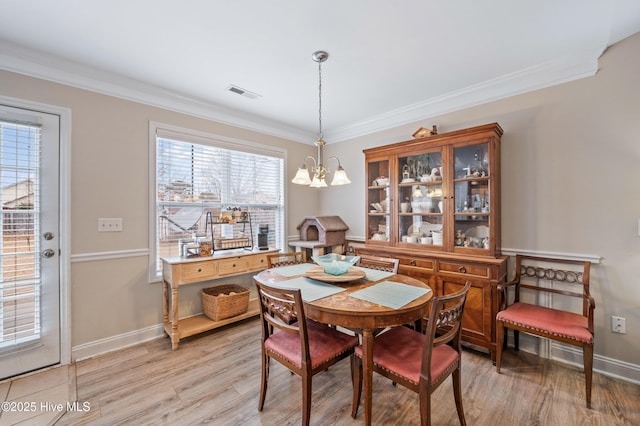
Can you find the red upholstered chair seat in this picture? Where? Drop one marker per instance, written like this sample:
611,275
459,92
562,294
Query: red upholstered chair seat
400,350
554,321
560,280
303,346
324,343
420,362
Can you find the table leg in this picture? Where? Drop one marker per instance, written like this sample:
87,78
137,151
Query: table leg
175,334
165,305
367,373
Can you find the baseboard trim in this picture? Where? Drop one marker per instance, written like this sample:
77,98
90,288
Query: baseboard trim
616,369
604,365
114,343
572,355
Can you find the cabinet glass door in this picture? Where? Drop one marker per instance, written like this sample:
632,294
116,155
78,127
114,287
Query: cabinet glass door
471,183
378,201
419,202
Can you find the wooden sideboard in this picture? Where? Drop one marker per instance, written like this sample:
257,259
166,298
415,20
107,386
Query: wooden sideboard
178,271
446,273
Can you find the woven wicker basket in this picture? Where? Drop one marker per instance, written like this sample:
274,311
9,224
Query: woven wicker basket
225,301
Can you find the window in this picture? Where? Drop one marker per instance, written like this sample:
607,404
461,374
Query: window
20,285
199,174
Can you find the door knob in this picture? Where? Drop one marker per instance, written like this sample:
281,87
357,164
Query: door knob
48,253
48,236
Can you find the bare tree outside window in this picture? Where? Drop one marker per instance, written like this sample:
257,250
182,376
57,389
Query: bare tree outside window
194,179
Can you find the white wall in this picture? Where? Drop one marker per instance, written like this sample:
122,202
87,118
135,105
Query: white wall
110,292
570,184
570,181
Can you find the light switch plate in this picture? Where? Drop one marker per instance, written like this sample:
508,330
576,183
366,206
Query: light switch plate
109,224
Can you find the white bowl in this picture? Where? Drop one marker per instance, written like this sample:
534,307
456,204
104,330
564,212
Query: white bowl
335,264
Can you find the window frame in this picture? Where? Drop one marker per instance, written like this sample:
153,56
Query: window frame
169,131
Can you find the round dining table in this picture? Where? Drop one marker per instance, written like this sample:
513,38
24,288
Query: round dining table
365,317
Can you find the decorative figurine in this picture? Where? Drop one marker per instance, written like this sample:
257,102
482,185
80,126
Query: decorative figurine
405,172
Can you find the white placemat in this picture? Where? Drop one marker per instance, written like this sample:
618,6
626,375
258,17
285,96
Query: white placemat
375,275
293,270
311,289
390,294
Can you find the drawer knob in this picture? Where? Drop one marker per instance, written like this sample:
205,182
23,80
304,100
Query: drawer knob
462,270
412,263
234,265
199,269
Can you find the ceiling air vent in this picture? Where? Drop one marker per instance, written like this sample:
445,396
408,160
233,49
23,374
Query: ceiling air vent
240,91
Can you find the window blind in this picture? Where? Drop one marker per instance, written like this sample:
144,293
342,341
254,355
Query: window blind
20,284
196,175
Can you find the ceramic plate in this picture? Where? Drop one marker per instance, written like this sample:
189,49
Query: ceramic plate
352,274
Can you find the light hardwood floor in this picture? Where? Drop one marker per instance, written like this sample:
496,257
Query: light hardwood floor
214,379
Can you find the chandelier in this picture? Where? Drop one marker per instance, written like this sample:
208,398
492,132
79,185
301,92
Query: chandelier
319,170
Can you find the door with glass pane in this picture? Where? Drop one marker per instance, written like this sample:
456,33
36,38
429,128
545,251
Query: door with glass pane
421,200
473,184
29,241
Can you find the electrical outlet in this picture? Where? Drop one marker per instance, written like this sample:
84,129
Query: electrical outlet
619,325
106,224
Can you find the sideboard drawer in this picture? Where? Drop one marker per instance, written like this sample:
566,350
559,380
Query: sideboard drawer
198,271
465,268
234,265
257,262
417,262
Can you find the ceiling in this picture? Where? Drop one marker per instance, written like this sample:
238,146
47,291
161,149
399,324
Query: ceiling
391,62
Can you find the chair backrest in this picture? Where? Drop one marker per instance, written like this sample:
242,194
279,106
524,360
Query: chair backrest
573,273
282,309
378,263
284,259
445,320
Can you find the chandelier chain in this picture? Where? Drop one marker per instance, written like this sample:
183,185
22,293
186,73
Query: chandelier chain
318,169
320,100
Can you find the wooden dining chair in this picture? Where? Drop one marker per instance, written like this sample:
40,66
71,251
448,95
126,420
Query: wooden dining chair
378,263
285,259
420,362
304,346
544,277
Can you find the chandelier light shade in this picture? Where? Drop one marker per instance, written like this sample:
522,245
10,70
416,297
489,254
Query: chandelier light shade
319,169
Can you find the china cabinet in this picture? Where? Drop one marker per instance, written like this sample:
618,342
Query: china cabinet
434,203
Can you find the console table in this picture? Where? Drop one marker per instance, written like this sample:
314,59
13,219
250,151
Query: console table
177,271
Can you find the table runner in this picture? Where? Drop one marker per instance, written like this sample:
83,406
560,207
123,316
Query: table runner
390,294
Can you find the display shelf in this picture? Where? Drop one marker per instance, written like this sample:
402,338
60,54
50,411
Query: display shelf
238,239
190,326
446,183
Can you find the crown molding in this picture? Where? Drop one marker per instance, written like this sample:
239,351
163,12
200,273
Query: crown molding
48,67
52,68
527,80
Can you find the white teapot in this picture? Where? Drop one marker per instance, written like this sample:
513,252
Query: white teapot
435,174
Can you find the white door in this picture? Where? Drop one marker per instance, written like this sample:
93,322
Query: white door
29,241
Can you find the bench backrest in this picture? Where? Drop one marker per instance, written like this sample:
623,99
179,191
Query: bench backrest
576,273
